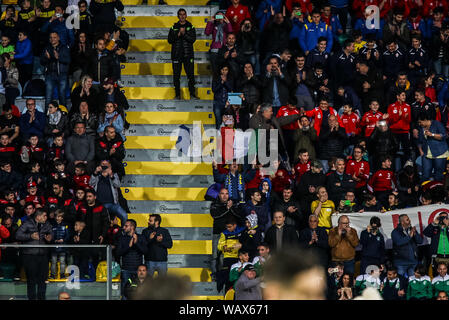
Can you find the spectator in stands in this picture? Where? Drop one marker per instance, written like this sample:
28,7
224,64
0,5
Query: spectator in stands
275,85
100,65
111,147
343,240
86,19
84,92
12,79
281,235
440,283
339,182
333,140
23,57
111,93
373,245
182,36
291,209
158,240
438,231
131,248
61,235
383,181
315,238
136,282
255,206
247,41
80,148
57,24
405,240
236,13
419,285
9,124
229,55
86,116
56,122
9,179
219,27
32,121
393,287
36,230
247,286
110,117
432,147
106,183
276,34
104,13
313,30
305,138
56,59
397,29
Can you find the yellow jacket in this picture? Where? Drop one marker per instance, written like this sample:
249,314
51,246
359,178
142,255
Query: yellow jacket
230,239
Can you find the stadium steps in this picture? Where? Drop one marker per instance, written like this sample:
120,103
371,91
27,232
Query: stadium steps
152,183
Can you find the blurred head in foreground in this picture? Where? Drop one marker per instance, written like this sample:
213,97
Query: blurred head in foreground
168,287
294,274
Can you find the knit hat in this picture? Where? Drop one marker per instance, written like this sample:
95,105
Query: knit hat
252,218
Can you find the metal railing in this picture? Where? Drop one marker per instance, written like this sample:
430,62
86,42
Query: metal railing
108,257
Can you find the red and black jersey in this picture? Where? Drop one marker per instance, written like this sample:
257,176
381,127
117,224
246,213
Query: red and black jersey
8,153
369,121
280,180
36,153
35,199
300,169
360,169
81,181
382,180
351,123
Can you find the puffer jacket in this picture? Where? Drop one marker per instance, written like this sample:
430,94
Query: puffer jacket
24,235
100,65
182,47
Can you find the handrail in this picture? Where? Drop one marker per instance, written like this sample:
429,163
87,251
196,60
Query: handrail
108,248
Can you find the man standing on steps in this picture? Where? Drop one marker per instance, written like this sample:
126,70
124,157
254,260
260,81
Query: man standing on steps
182,36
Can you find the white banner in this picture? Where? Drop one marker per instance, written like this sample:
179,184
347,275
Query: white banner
420,217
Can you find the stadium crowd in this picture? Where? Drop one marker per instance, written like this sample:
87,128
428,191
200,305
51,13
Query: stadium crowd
361,108
61,160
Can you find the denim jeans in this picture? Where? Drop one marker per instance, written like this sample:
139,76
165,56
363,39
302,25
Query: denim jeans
52,81
406,270
438,166
441,68
213,263
54,261
117,210
159,266
125,275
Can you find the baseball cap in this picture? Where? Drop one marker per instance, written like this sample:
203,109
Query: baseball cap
108,81
249,267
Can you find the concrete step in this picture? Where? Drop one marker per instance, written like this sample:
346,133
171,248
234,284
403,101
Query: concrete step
160,57
150,105
156,129
161,21
185,233
166,69
147,155
165,93
169,10
184,261
171,181
168,207
159,33
163,45
179,118
177,221
164,194
169,2
167,168
163,81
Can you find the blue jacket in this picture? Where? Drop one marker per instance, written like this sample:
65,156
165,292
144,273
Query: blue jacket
433,232
404,247
336,25
157,251
373,246
393,62
443,95
60,232
132,257
36,127
262,16
339,3
309,35
66,36
422,26
55,66
360,24
24,52
297,26
437,147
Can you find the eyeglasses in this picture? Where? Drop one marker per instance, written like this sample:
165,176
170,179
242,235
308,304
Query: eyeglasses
30,104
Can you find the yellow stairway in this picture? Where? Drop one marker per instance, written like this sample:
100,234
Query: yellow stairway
153,184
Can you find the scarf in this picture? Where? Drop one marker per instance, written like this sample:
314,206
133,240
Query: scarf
220,33
109,117
54,118
240,185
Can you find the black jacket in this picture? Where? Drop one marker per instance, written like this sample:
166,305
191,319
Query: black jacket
302,190
289,237
283,84
132,256
332,143
220,213
133,285
24,235
97,222
101,67
337,193
276,36
182,46
103,146
157,251
92,100
296,219
383,143
321,247
434,232
119,99
251,89
104,13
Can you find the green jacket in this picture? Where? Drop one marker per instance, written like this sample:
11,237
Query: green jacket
366,281
7,49
305,139
440,284
419,288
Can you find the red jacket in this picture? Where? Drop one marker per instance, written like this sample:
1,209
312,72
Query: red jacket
300,169
4,234
382,180
35,199
351,123
430,5
369,121
359,6
306,5
255,183
282,178
241,12
317,115
286,111
404,4
360,169
399,123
